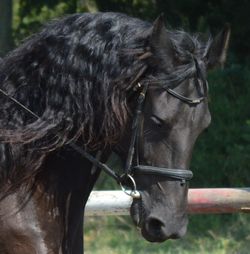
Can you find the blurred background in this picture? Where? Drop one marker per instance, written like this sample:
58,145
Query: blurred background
222,154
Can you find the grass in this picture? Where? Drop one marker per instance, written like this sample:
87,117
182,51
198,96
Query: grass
207,234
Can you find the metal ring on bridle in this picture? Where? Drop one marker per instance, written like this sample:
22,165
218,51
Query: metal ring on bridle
133,192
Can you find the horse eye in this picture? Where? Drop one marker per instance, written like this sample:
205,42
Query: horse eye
157,121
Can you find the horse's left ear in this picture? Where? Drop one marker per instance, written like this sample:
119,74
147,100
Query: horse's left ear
217,52
160,42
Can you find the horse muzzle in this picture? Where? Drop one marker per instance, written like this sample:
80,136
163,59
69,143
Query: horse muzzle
157,224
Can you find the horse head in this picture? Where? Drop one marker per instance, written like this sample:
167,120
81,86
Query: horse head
174,113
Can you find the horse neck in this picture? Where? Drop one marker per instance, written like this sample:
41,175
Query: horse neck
52,217
71,181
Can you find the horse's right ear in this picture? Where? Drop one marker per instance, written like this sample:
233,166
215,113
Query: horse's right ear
217,52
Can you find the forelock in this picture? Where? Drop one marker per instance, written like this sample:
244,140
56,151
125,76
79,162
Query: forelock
188,46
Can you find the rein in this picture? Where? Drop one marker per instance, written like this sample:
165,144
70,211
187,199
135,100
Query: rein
126,178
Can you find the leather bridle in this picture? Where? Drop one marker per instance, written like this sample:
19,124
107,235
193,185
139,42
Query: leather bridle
126,179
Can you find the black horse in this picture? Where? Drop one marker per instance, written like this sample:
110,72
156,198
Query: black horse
99,82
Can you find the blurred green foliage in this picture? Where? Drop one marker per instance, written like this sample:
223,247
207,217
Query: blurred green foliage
207,234
222,154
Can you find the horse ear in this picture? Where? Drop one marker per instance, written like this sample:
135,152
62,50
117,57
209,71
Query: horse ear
217,52
159,30
160,41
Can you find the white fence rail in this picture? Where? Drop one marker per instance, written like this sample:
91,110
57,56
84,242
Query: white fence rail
202,201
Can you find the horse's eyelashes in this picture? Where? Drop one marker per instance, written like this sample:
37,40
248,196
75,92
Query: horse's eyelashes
157,121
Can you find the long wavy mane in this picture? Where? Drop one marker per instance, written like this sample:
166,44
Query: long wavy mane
75,75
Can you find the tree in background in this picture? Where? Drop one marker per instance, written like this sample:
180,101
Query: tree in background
5,26
191,15
30,15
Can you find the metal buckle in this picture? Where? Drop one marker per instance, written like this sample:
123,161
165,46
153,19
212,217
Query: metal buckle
133,192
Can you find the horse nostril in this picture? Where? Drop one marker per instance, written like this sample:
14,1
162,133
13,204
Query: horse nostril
155,230
154,225
174,236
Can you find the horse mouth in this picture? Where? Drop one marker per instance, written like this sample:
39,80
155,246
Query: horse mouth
154,229
160,236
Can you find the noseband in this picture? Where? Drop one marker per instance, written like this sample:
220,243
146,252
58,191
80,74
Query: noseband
126,178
